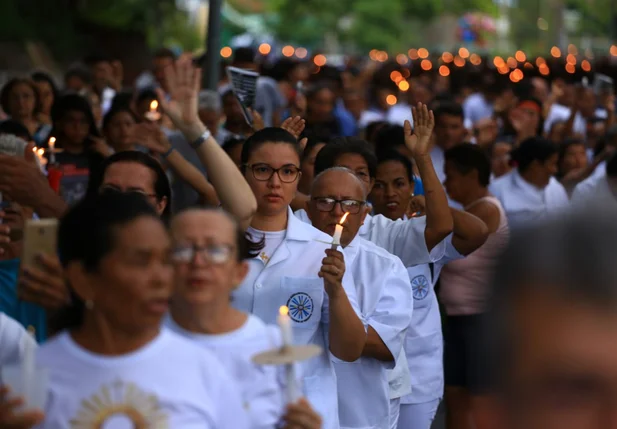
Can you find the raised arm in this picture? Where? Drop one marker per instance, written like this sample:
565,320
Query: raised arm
438,218
469,232
234,193
153,138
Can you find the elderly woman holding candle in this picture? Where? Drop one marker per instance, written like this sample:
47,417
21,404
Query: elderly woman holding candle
113,362
209,254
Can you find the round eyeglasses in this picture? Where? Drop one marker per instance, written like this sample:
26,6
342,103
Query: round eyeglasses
325,204
213,253
264,172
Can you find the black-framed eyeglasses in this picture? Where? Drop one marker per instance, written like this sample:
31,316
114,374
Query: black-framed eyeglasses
114,189
213,253
325,204
263,172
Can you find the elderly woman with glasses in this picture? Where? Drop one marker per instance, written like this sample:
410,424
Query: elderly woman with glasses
209,254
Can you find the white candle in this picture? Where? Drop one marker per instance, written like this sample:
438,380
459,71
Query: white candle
27,371
52,150
153,114
40,152
285,324
338,231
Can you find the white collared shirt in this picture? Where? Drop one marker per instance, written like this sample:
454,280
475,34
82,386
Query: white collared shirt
402,238
384,296
290,278
419,377
524,202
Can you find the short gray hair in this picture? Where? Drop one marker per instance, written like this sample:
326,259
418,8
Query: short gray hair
209,100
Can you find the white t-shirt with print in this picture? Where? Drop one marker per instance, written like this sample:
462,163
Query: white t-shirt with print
169,383
261,386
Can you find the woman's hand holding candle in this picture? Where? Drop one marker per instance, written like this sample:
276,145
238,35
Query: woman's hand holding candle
11,418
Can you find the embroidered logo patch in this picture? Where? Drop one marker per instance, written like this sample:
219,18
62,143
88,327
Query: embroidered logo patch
300,307
420,287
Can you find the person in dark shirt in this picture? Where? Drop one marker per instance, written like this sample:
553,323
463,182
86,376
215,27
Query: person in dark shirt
80,149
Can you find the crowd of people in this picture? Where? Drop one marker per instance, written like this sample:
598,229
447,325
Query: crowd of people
448,240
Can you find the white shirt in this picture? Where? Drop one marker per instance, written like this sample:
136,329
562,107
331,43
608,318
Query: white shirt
560,113
262,393
399,113
524,202
272,240
385,300
290,278
14,341
169,382
597,191
402,238
424,340
475,108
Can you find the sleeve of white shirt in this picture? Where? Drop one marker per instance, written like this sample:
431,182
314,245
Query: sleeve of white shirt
405,239
14,340
393,311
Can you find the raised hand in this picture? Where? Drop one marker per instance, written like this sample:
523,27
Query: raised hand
183,83
152,137
294,126
258,121
418,140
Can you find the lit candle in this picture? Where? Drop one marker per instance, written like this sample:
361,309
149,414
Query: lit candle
285,324
40,152
52,150
153,114
338,231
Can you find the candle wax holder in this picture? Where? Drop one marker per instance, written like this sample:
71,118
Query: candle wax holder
287,355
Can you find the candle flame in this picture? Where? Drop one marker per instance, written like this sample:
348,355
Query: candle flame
154,105
40,152
34,149
52,141
344,218
283,310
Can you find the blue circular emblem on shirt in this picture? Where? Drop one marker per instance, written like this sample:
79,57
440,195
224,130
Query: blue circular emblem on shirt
420,287
300,307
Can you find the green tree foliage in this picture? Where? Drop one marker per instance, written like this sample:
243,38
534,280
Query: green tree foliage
380,24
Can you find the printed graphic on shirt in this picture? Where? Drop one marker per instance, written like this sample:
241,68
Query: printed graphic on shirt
300,307
420,287
121,405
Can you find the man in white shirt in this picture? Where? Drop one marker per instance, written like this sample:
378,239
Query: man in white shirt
601,188
384,297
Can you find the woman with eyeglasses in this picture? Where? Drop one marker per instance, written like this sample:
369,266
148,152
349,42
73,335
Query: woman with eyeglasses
112,365
209,253
296,268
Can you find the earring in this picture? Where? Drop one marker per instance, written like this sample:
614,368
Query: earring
89,304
